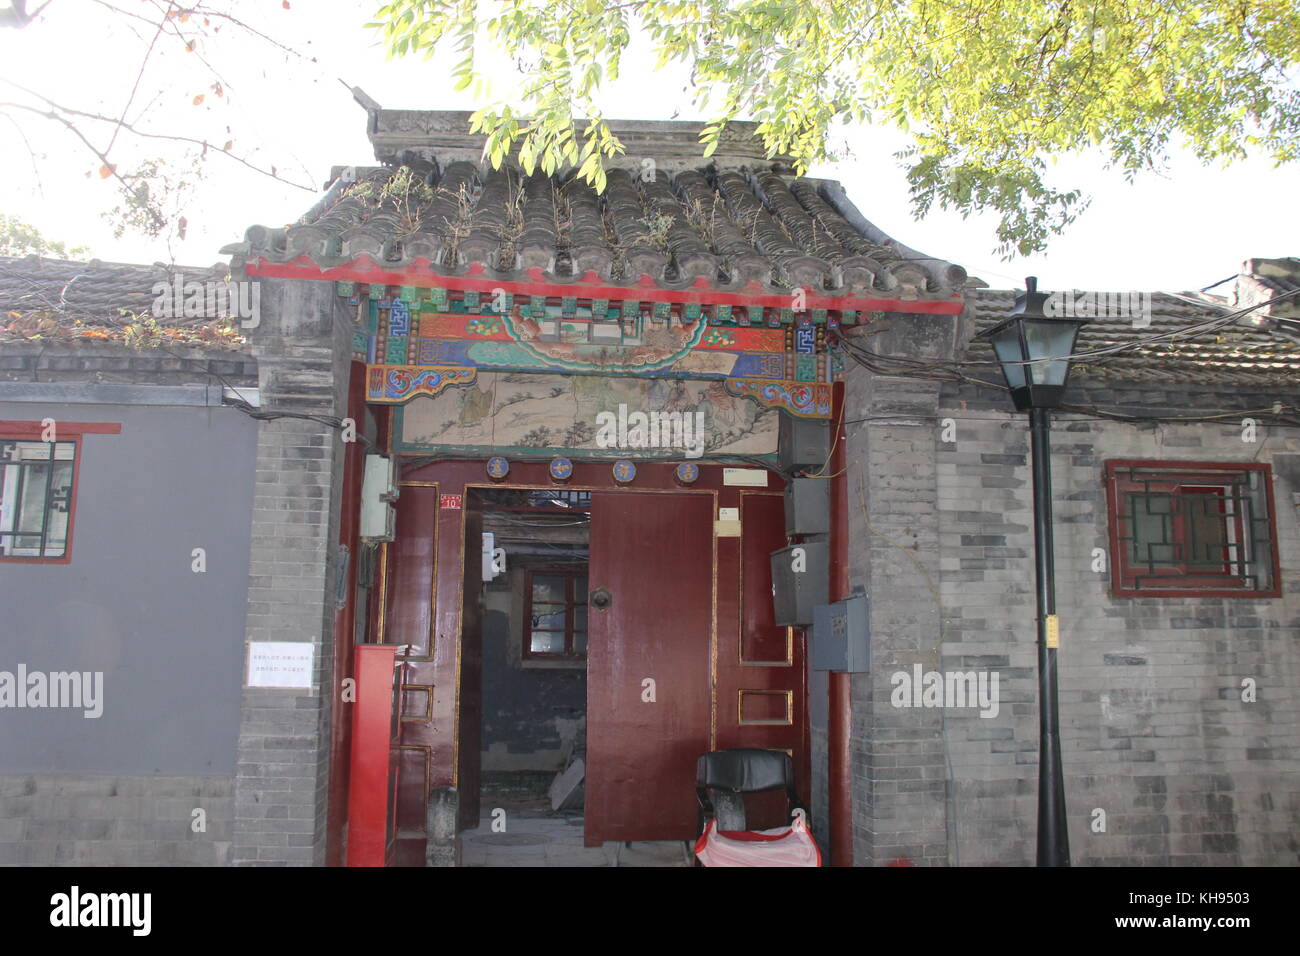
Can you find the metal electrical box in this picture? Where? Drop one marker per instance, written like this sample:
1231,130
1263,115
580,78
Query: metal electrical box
802,442
796,592
808,506
841,636
378,492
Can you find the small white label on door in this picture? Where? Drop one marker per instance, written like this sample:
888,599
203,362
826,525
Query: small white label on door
728,514
746,477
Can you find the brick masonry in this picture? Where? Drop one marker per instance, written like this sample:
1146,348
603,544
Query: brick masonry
899,779
303,347
116,364
115,820
1154,732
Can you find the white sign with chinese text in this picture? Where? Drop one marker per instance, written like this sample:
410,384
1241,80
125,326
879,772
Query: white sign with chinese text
280,664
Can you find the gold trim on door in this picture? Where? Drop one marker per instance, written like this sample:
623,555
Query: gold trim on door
740,597
787,695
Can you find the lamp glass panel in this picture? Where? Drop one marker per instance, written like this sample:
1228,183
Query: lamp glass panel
1006,345
1046,339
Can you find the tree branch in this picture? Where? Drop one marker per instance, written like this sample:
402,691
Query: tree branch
61,113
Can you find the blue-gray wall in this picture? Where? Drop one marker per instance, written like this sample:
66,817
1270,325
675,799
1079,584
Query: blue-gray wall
169,641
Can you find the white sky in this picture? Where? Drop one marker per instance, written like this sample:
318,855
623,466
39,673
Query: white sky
1184,230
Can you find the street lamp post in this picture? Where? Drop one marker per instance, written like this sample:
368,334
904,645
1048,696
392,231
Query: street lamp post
1033,349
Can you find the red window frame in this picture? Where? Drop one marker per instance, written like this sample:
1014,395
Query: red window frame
1177,478
63,432
571,573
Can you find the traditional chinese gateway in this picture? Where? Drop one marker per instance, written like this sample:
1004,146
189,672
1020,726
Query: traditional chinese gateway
485,587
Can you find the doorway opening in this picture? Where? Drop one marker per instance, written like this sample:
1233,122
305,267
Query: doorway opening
534,616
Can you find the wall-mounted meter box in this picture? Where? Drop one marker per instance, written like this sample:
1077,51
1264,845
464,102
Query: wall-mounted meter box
800,581
841,636
378,492
808,506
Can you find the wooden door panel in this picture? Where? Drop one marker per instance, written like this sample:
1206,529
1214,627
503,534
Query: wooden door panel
762,640
470,717
762,678
654,554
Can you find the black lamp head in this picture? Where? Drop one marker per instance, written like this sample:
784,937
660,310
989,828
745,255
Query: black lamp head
1033,349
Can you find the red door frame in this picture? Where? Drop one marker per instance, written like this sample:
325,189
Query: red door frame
430,548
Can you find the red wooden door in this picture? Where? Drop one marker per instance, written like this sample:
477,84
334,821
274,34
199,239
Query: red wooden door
470,737
762,677
649,663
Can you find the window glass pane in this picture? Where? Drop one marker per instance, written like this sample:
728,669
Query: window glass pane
1206,530
56,531
580,643
1149,524
546,642
56,537
548,621
548,588
580,617
32,506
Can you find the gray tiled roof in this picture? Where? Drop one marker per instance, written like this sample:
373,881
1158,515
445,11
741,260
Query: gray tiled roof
1237,354
741,223
94,292
54,301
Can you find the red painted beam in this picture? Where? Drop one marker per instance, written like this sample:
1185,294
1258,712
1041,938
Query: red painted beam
420,275
840,778
61,429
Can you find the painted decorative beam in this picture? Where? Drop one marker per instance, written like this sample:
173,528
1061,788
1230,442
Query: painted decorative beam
419,274
397,384
801,399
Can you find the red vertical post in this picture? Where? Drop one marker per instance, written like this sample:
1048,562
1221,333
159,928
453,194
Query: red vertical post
840,777
369,803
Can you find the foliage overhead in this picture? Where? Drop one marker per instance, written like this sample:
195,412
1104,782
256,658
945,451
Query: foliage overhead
18,238
164,54
988,91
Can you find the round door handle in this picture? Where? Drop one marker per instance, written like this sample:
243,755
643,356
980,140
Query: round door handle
601,599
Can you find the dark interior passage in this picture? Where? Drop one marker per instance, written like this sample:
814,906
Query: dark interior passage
534,643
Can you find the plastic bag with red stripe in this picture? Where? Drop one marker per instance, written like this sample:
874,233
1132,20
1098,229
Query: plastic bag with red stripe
783,846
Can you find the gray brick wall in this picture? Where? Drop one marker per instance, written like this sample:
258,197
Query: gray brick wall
1154,732
303,348
114,820
900,789
1153,729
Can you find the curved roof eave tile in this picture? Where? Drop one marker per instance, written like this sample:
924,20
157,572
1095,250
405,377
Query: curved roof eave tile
737,230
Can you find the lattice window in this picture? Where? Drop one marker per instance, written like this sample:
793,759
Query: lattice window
36,482
555,613
1195,528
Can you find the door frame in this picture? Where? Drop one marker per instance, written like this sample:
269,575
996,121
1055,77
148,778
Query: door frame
615,487
428,608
